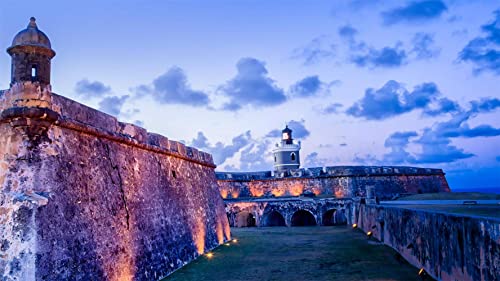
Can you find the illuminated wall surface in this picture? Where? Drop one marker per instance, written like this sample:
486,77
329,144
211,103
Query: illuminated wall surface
449,247
85,197
338,181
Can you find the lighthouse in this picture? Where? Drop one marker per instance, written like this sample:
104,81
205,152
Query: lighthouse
286,153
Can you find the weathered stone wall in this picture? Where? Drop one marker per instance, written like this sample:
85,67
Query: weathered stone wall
85,197
449,247
340,182
326,211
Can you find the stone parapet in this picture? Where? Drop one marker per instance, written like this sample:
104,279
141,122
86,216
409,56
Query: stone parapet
75,116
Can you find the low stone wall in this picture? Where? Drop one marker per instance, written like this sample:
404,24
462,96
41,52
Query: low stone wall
339,182
85,197
447,246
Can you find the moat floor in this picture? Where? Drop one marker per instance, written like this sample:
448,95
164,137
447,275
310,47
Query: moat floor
299,253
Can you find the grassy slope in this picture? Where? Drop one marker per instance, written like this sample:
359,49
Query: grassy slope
299,253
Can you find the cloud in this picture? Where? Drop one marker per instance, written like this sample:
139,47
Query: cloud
415,12
484,52
112,105
313,160
332,108
435,142
86,88
220,151
172,87
307,87
254,157
362,54
315,51
397,143
347,32
251,87
386,57
392,100
443,106
423,46
298,128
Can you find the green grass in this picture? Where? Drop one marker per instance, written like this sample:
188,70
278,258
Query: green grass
476,210
299,253
452,196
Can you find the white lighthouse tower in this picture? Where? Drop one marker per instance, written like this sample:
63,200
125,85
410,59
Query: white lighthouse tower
286,153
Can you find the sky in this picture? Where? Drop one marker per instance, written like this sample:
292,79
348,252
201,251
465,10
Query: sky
409,83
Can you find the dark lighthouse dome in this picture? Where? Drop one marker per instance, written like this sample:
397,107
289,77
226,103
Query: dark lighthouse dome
31,53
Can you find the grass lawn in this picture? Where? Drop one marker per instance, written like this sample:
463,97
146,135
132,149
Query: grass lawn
299,253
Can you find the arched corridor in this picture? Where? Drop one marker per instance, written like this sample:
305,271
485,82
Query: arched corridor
334,217
328,217
274,218
303,218
245,219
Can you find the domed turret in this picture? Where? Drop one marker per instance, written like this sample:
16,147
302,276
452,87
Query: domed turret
31,54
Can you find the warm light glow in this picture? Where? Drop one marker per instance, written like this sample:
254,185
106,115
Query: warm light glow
339,193
286,136
278,192
369,233
224,193
235,194
227,244
421,271
354,225
316,191
219,231
235,240
297,190
209,255
198,233
256,190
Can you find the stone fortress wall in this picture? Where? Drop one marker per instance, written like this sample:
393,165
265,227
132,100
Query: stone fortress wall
448,247
337,181
85,197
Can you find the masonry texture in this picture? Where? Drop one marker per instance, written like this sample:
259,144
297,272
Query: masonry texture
449,247
85,197
339,181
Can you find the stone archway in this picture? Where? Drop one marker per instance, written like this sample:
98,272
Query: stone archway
329,217
245,219
274,218
303,218
339,217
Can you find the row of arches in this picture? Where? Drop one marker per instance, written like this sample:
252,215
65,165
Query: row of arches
299,218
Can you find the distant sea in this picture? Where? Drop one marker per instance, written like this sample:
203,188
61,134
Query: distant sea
495,190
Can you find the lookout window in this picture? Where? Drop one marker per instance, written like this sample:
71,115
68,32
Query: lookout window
174,175
33,72
292,156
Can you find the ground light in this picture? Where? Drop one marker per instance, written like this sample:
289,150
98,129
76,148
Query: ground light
235,240
423,275
354,225
209,255
227,244
369,234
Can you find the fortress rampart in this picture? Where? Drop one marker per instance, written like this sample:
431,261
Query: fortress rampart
338,181
85,197
449,247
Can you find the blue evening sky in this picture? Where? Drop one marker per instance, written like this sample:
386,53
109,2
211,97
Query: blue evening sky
412,83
